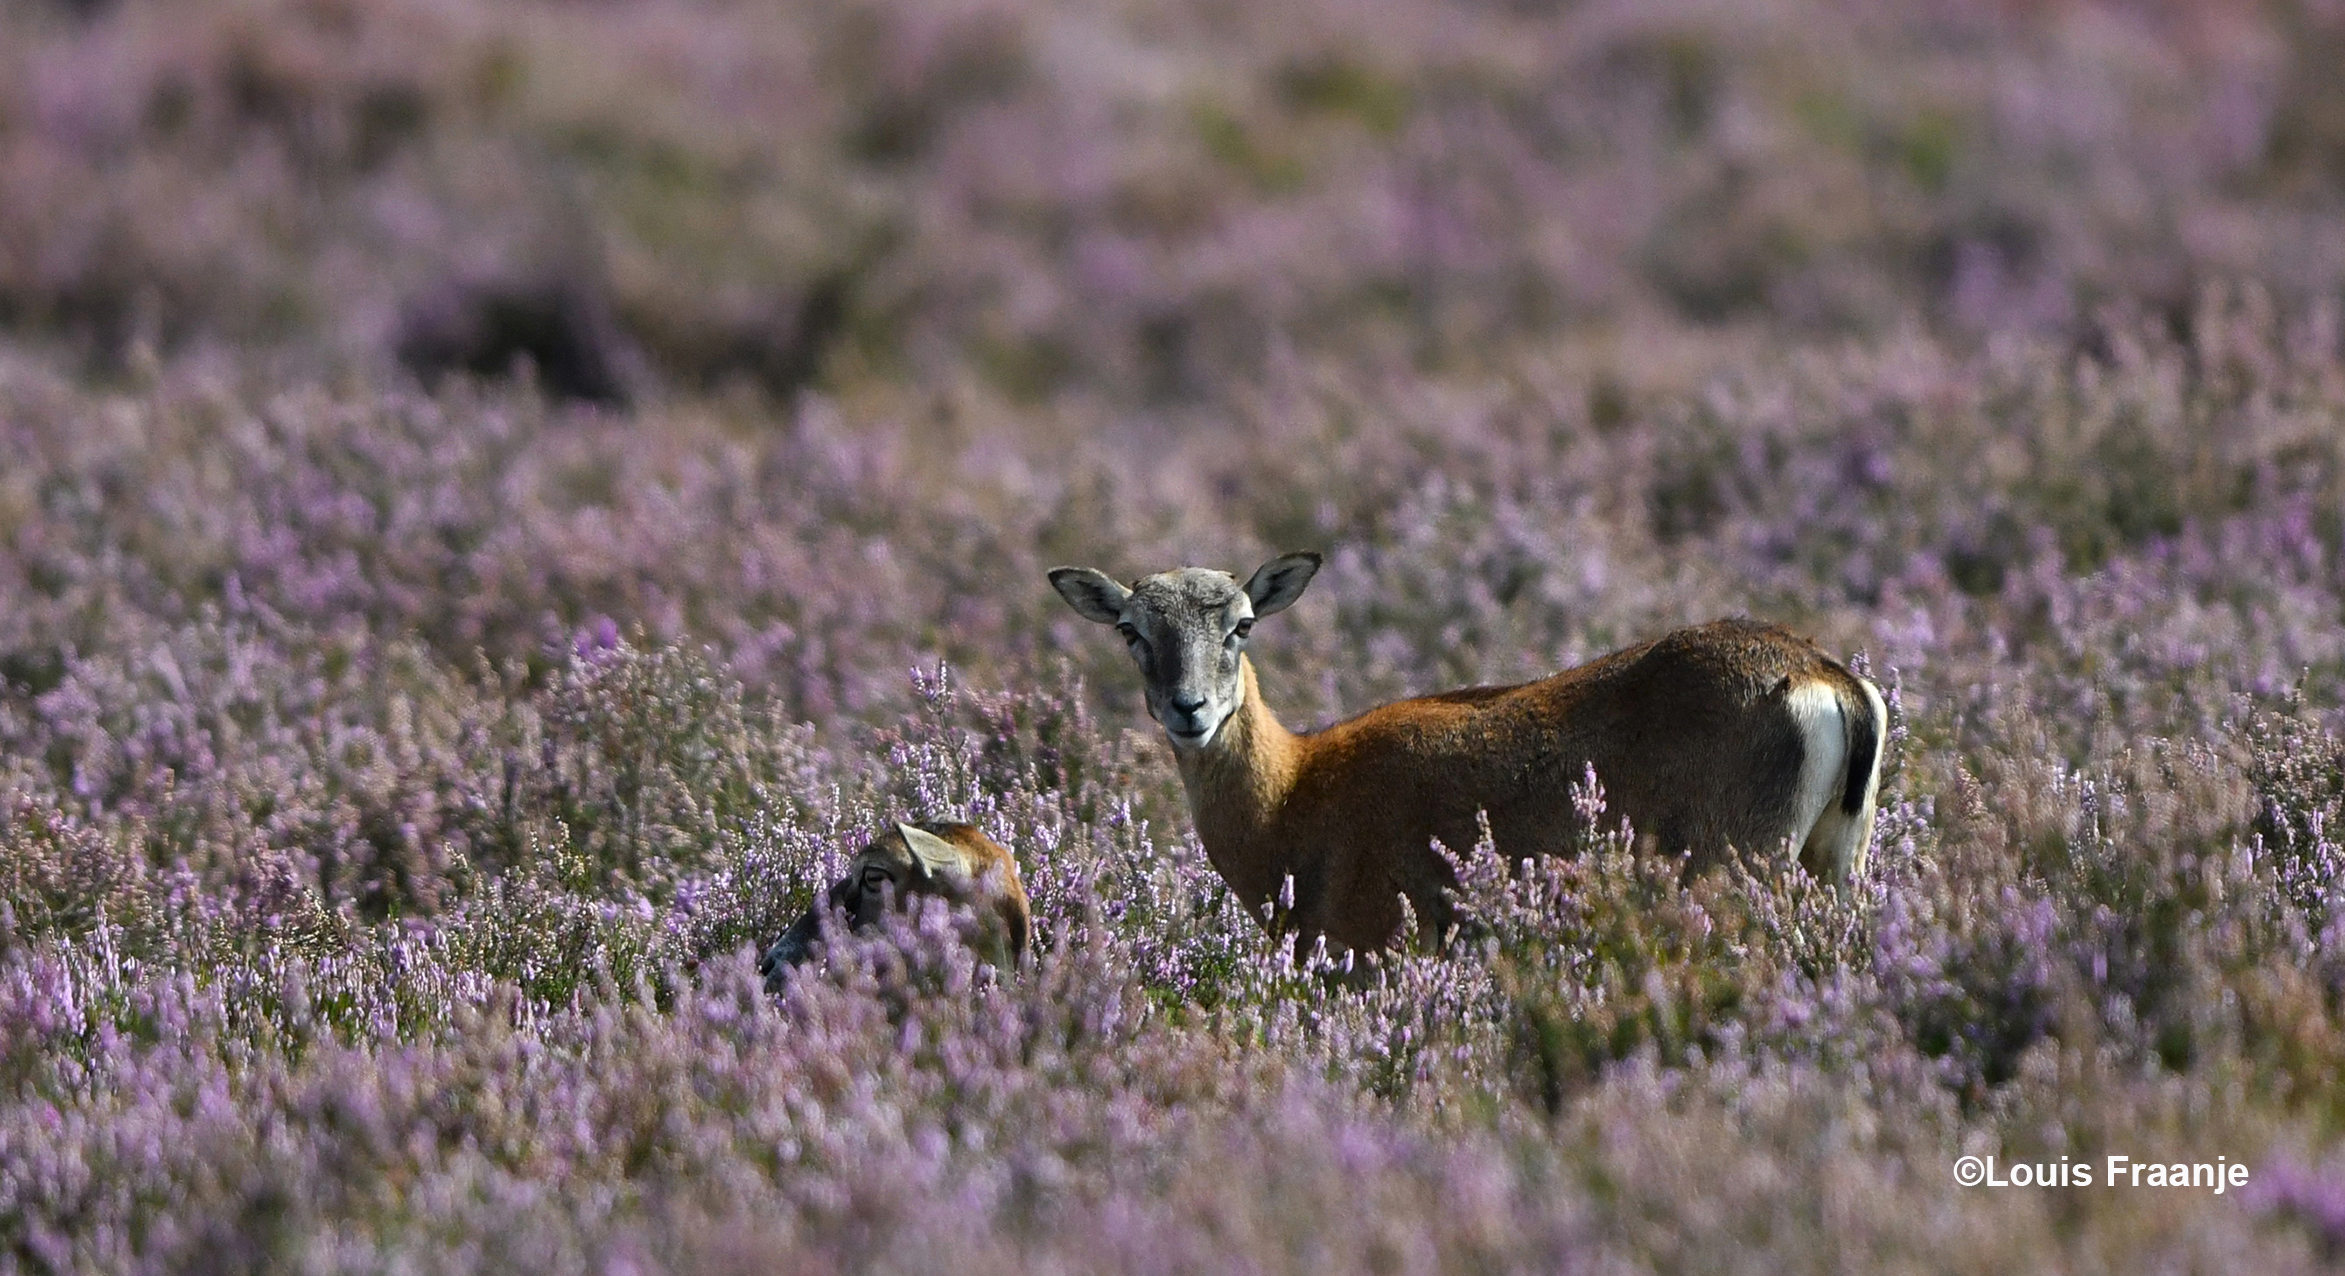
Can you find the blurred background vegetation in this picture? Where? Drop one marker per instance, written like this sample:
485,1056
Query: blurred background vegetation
1141,203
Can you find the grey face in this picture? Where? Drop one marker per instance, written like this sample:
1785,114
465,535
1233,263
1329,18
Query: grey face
1186,630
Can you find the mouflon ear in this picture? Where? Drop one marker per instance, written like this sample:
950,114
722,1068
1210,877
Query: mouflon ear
1093,594
1278,583
939,857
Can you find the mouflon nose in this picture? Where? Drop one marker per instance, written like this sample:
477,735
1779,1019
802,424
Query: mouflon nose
1188,706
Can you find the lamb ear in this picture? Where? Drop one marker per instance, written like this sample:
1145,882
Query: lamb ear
1095,595
1278,583
935,854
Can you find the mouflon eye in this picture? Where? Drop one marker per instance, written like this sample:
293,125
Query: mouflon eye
1243,628
876,877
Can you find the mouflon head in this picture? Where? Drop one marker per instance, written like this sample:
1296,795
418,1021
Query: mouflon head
1187,631
953,862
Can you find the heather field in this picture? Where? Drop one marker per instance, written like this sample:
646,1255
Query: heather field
499,501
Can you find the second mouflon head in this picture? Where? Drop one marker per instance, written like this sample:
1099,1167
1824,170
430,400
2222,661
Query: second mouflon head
936,859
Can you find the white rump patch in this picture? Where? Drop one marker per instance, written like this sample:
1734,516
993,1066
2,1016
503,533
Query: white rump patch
1823,768
1840,842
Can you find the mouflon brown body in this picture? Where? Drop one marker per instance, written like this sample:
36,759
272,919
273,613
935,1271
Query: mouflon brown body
1733,734
936,859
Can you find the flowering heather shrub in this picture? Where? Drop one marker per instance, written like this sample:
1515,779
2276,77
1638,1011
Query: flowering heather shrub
398,788
400,769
